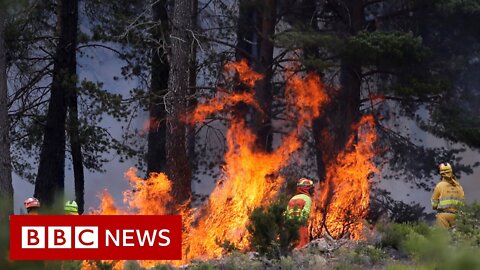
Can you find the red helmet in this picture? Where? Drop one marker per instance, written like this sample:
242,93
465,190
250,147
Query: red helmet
31,202
305,186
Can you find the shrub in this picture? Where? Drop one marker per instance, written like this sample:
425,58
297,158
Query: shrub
394,234
362,255
239,261
163,267
202,266
468,224
436,248
271,234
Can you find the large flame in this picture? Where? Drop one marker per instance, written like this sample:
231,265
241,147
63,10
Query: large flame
342,200
250,177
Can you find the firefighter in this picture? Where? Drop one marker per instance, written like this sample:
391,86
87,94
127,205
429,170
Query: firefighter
71,208
299,208
32,205
447,197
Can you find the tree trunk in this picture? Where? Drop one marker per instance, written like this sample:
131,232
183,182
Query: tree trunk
6,188
262,124
320,129
247,36
156,154
246,46
332,129
73,128
179,169
192,103
348,100
51,171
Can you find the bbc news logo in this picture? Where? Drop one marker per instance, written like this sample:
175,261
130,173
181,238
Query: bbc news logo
59,237
92,237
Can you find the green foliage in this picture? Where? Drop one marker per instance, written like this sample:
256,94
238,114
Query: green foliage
71,265
385,48
163,267
298,38
239,261
394,234
470,7
412,87
271,233
407,267
468,224
428,248
436,248
364,255
202,266
452,121
437,251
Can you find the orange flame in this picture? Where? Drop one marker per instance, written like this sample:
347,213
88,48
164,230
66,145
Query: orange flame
342,200
155,193
249,180
246,75
217,104
251,177
306,95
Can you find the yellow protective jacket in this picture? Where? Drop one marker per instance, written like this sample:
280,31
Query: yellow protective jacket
447,197
299,207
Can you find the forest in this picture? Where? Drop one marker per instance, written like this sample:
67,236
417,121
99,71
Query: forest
222,105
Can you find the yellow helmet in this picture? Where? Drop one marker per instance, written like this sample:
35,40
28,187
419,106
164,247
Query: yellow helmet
445,168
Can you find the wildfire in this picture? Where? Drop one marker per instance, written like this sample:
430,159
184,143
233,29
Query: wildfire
246,75
342,200
251,177
221,102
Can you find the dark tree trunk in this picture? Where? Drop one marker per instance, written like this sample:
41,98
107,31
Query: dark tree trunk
320,125
348,101
76,148
156,154
247,45
192,101
262,123
256,26
74,124
6,188
347,111
179,169
51,170
247,36
332,129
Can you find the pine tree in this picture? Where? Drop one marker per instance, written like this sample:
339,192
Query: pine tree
179,170
51,171
6,188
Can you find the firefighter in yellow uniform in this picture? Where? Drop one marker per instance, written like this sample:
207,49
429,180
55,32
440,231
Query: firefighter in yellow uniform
299,208
447,197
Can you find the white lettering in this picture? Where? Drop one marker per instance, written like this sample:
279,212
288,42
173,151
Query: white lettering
59,237
166,238
146,236
115,240
33,237
127,237
86,237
